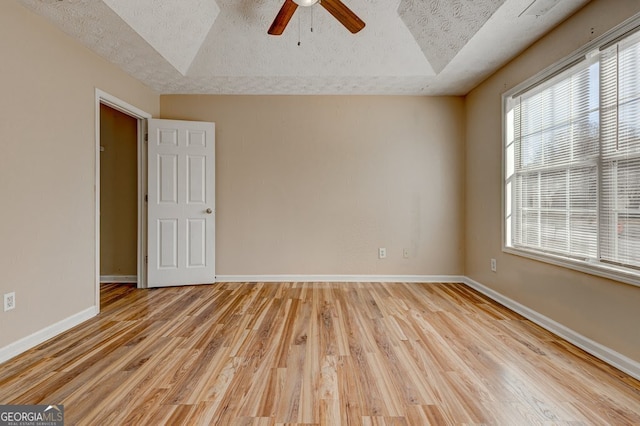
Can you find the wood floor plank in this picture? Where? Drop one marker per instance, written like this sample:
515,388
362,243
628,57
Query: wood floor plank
316,354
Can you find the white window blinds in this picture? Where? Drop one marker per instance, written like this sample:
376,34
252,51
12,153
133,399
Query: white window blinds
620,162
572,160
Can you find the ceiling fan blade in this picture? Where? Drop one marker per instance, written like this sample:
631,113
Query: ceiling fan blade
283,17
343,14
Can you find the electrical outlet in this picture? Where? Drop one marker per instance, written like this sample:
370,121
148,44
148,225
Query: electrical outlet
405,253
9,301
382,253
494,265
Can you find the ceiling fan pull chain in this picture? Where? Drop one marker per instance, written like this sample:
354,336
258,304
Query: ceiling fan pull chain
299,29
311,19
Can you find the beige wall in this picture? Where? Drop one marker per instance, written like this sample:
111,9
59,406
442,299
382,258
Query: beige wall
605,311
118,193
315,184
47,168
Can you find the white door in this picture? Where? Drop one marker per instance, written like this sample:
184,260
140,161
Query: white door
181,203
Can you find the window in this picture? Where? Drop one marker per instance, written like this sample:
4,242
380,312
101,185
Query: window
572,161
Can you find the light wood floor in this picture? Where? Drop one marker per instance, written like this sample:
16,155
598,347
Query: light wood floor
316,353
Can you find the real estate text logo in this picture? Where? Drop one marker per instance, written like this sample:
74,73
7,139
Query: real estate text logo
31,415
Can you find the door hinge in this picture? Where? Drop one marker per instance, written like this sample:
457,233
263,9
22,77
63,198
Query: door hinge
146,137
146,198
146,259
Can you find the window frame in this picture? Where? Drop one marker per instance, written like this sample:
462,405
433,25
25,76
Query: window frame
597,268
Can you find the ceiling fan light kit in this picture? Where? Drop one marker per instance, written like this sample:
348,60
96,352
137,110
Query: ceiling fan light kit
305,3
336,8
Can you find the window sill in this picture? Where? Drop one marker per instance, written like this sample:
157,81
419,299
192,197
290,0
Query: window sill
611,272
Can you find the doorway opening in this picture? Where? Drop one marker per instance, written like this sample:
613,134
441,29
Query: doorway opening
118,197
120,183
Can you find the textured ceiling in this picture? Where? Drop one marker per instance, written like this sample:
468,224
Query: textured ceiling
191,19
442,28
418,47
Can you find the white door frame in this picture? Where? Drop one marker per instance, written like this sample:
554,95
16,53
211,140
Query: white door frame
141,116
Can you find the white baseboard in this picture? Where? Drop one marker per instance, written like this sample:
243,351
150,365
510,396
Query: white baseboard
596,349
118,278
28,342
341,278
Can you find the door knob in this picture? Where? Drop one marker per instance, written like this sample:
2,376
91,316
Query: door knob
209,211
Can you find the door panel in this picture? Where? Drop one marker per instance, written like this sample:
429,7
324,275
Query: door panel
181,204
196,244
168,179
196,183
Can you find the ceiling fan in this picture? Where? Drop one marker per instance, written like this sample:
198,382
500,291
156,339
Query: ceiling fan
335,7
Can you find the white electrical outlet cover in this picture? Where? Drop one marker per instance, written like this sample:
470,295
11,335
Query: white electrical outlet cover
9,301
